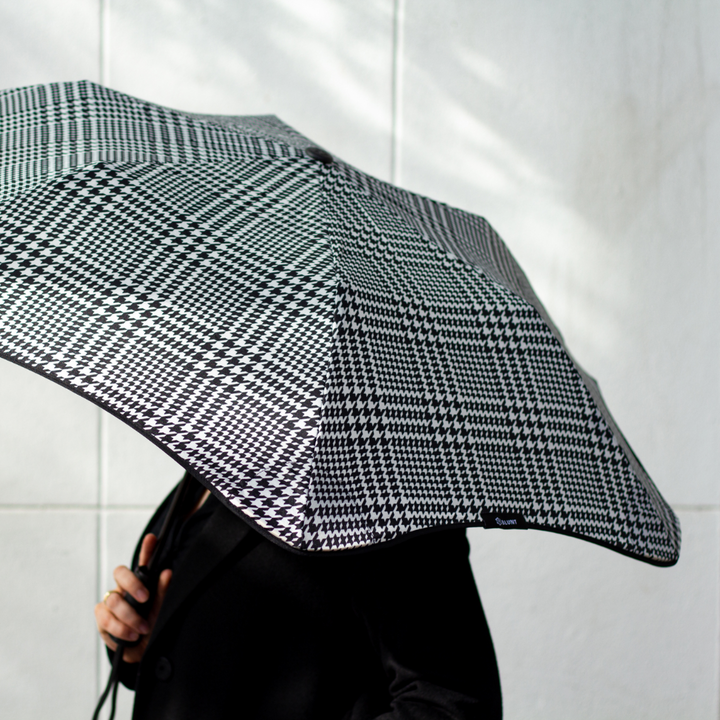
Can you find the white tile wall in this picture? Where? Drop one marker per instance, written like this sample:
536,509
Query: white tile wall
48,442
46,41
47,634
589,135
321,66
136,472
581,632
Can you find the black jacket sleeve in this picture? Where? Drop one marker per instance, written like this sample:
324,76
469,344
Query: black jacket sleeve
423,614
392,633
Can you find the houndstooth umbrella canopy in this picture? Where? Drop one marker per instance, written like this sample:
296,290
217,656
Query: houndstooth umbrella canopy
340,361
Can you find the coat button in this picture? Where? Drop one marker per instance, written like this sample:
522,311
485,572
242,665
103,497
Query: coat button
317,153
163,669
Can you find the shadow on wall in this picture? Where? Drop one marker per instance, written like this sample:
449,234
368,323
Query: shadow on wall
48,41
321,66
568,153
581,132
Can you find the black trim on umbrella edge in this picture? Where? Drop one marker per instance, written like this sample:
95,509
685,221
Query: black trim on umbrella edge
277,541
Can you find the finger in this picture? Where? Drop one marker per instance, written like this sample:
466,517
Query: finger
146,549
127,582
108,624
100,621
124,612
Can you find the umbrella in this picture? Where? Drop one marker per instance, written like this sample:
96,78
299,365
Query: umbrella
340,361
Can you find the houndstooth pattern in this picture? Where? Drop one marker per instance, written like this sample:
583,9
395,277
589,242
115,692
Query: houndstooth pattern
461,235
47,130
171,295
342,361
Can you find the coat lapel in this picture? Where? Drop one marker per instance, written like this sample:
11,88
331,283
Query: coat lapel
222,533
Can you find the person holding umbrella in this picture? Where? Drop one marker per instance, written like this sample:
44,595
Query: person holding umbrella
354,372
242,627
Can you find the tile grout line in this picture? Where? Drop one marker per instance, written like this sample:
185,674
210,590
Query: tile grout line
101,492
104,44
100,525
396,89
717,625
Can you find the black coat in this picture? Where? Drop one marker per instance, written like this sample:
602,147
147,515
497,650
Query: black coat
250,630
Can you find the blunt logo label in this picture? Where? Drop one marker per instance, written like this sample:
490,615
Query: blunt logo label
506,521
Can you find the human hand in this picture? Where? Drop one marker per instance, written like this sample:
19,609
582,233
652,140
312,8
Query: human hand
115,616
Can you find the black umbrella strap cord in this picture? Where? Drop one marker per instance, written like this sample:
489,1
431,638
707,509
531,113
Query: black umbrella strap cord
112,684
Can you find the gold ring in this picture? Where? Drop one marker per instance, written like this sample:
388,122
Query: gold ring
109,593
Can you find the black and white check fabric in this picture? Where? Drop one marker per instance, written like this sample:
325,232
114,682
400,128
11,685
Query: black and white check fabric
341,361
